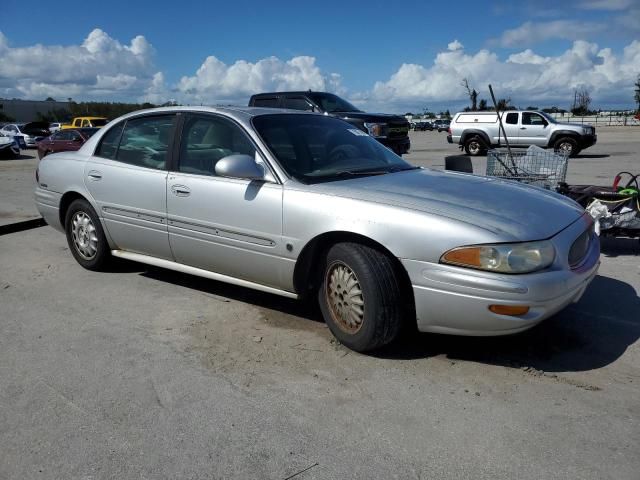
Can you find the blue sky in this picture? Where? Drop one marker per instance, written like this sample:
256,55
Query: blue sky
391,55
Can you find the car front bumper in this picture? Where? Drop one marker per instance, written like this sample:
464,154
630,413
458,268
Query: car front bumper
456,300
398,145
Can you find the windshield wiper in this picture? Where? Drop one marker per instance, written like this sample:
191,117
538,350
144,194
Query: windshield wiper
357,173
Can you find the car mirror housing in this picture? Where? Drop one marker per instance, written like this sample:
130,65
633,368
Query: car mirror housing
239,166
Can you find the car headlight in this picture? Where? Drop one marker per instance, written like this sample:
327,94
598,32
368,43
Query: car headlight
377,129
503,257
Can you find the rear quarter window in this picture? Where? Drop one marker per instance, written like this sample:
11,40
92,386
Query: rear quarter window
266,102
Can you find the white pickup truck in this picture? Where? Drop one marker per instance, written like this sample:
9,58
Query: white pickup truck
476,132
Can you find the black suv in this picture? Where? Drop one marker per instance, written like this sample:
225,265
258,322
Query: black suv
442,125
390,130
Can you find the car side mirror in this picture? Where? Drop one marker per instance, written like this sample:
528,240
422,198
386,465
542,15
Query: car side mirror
239,166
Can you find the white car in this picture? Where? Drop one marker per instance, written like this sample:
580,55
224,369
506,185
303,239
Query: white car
8,146
54,127
31,133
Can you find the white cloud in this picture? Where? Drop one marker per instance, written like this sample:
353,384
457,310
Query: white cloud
216,82
524,76
455,45
531,33
100,67
606,4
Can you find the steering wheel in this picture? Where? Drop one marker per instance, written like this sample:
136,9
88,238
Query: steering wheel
341,153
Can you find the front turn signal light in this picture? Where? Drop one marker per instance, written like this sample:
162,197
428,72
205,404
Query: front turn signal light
512,310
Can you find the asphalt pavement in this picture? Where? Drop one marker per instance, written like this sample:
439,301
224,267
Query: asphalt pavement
141,372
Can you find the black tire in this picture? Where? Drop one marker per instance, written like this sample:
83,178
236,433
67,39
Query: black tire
381,296
474,146
567,145
89,234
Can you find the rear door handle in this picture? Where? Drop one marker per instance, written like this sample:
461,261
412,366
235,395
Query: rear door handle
94,175
180,190
523,128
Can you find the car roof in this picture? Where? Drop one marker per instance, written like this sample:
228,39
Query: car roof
242,114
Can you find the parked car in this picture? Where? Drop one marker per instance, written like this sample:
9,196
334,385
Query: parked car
85,122
478,131
55,126
64,141
30,132
442,125
8,146
423,126
304,205
390,130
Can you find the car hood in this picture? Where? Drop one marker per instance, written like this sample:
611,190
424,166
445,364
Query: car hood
512,210
371,117
574,125
5,140
36,129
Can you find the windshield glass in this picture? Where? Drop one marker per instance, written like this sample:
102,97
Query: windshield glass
549,118
314,148
329,102
99,122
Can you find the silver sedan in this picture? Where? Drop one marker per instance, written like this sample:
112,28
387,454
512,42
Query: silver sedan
308,206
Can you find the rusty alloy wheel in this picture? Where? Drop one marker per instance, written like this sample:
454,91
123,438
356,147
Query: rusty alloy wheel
344,297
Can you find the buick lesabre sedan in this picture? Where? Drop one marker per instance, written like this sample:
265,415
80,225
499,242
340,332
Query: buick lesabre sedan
304,205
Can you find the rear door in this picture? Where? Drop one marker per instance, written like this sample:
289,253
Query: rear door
511,126
127,177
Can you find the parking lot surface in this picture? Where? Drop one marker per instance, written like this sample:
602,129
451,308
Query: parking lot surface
141,372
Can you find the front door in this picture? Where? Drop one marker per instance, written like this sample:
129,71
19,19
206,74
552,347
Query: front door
533,130
225,225
127,177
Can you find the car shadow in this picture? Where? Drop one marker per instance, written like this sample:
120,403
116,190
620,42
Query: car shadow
616,246
307,311
588,335
603,155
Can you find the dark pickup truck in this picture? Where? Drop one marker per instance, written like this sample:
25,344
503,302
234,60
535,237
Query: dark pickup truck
390,130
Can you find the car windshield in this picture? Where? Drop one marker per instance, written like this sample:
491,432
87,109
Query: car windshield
549,118
330,103
99,122
314,148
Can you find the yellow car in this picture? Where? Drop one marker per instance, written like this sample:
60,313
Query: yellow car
82,122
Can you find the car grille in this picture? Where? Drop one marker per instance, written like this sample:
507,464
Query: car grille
398,130
580,248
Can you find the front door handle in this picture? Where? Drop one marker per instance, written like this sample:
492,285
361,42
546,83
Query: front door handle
180,190
523,128
94,175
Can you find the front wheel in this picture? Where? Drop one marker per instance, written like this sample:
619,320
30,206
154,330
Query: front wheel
360,297
474,146
85,236
567,145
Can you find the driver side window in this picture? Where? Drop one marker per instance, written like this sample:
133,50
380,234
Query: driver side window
206,140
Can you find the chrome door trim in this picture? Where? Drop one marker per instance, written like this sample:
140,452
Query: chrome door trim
179,267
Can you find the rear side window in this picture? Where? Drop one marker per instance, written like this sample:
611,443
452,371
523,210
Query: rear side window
512,118
145,141
269,102
109,143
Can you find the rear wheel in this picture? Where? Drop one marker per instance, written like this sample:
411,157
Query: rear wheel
360,297
85,236
567,145
474,146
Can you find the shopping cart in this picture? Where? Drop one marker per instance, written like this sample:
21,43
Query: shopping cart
534,166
